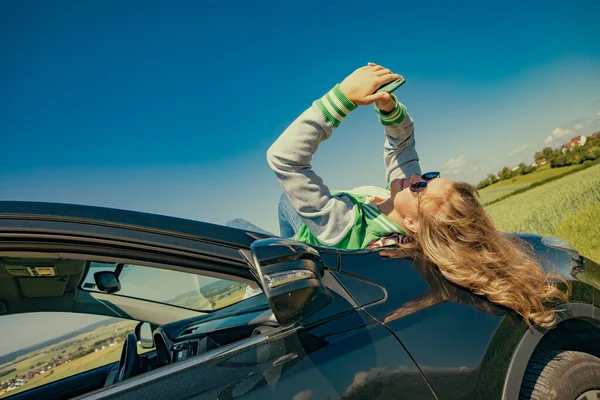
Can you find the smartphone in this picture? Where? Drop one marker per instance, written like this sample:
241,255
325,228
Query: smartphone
391,86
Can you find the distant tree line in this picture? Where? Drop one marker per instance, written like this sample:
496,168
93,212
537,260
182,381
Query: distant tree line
6,372
559,157
576,155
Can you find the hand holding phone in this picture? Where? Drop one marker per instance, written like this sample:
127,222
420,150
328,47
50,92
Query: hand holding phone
390,87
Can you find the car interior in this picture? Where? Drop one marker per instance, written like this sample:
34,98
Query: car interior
167,333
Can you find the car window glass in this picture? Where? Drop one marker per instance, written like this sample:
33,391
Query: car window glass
187,290
40,348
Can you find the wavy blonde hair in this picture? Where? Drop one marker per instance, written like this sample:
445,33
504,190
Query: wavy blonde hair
456,234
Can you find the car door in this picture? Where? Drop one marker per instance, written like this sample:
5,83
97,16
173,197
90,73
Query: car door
462,342
337,352
348,357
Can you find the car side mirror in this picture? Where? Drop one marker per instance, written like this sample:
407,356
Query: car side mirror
290,275
143,332
107,282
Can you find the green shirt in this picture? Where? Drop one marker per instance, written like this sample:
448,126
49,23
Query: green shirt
369,225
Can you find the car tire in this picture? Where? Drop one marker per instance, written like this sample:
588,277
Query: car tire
561,375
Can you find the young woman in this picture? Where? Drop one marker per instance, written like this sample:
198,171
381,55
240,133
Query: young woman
425,215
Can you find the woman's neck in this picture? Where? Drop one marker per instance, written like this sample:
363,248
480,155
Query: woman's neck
387,209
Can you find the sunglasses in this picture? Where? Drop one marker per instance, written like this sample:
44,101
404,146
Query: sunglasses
420,186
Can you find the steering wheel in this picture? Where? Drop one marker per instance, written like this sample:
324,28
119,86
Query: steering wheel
130,360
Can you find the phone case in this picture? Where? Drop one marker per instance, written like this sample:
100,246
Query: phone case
390,87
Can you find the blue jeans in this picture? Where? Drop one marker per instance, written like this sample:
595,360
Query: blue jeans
289,220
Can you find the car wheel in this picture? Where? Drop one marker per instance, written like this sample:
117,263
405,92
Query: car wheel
561,375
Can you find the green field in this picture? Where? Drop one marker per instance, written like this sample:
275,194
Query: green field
494,192
568,207
507,186
24,363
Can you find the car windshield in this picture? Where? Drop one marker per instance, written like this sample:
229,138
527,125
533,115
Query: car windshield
182,289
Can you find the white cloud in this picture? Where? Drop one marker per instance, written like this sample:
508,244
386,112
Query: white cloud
454,166
517,151
559,133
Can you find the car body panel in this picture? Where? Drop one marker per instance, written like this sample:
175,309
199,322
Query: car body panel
297,364
22,219
447,330
140,221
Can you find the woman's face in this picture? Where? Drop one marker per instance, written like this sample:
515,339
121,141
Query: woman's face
406,202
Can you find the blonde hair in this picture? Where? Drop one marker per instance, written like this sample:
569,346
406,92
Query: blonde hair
456,234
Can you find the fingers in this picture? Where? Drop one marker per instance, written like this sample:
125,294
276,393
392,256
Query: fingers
383,72
387,78
383,96
414,178
377,68
374,67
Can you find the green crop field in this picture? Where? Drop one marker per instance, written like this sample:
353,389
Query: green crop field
507,186
494,192
33,360
568,207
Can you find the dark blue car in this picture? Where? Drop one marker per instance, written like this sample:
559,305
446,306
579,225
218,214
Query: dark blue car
209,312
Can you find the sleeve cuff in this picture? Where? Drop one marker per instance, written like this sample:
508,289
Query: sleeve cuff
335,106
396,116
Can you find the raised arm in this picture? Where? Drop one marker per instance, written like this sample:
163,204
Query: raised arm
399,152
290,157
329,218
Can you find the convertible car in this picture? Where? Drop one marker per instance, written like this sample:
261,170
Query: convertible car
222,313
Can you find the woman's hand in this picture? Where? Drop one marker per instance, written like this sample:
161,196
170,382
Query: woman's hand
414,178
386,105
359,86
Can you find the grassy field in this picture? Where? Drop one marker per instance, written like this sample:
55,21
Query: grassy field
505,187
35,360
24,363
568,207
197,302
494,192
582,229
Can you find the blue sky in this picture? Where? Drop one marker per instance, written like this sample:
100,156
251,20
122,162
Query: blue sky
169,107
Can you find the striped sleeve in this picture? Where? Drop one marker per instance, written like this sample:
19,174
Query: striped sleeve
335,106
396,116
381,220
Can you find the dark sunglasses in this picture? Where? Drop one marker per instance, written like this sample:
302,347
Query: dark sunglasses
420,186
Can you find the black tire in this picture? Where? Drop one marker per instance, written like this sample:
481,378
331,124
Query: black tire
561,375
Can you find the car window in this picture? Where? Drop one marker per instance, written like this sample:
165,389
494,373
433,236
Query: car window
40,348
182,289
